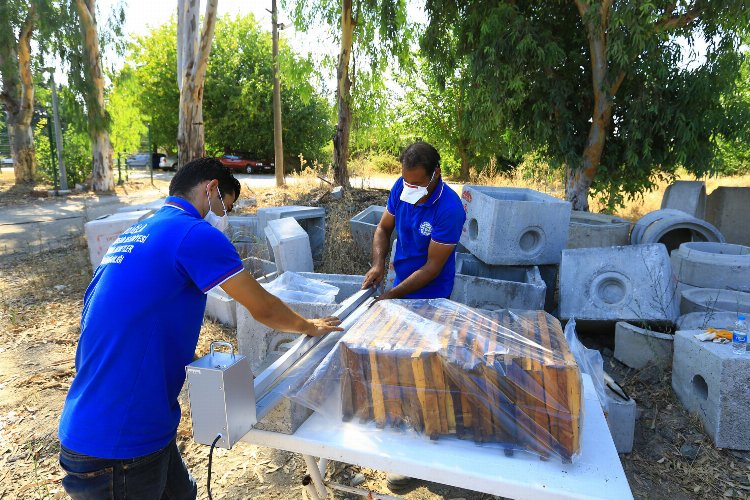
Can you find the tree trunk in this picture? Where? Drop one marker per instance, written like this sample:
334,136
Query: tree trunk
343,98
192,61
580,177
464,162
102,177
18,96
278,145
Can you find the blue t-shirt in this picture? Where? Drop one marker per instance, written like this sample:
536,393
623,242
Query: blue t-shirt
141,318
440,219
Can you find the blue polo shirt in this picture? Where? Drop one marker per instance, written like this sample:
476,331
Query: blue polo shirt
440,219
142,314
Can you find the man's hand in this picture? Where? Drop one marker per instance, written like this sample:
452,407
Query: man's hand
374,277
322,326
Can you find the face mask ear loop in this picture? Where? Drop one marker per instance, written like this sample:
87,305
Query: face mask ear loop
208,196
222,200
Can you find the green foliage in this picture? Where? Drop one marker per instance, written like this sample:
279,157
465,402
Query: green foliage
531,74
153,58
128,126
237,96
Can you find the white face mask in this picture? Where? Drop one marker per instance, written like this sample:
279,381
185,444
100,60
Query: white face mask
412,194
220,223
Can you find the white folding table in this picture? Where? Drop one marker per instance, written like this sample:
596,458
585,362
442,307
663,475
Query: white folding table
595,473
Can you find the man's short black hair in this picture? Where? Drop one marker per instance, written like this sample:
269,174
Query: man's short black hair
420,154
201,170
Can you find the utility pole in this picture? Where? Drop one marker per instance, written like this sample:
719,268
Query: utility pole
278,146
58,134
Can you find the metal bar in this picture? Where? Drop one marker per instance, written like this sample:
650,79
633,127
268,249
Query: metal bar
322,464
310,487
314,472
268,377
361,491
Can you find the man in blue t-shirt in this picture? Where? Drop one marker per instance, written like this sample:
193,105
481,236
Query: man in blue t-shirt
428,218
142,314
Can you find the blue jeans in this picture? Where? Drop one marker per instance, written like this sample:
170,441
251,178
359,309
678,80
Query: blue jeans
160,475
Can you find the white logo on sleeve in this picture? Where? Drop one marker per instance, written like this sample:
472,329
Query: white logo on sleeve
425,228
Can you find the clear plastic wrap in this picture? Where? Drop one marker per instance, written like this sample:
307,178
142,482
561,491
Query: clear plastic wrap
444,369
589,361
291,287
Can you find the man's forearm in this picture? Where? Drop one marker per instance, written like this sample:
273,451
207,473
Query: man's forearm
380,244
418,279
283,318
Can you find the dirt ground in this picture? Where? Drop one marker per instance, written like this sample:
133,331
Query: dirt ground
40,306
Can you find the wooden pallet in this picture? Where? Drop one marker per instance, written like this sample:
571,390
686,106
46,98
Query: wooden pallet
445,369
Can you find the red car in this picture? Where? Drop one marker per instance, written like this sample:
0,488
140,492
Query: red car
236,162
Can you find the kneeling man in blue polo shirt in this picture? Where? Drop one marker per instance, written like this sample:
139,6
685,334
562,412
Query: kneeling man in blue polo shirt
142,314
428,218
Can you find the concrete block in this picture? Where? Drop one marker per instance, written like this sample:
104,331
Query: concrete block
152,205
727,210
687,196
714,300
260,267
256,340
514,226
285,417
242,232
497,287
597,230
711,382
337,193
672,228
102,232
290,245
627,283
363,227
221,307
311,219
621,421
713,265
702,320
639,347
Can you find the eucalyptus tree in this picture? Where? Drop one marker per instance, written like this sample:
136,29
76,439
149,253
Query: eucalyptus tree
376,32
602,87
21,21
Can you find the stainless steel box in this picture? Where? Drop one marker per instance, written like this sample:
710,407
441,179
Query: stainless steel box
222,399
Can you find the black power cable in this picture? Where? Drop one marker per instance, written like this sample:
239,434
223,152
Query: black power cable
210,456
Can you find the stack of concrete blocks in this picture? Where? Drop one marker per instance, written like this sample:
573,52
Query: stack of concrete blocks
727,209
516,227
311,219
223,308
712,278
687,196
103,231
497,287
672,228
363,227
711,381
589,230
626,283
256,340
290,245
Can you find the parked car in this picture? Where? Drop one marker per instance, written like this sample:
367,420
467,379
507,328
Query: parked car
240,163
138,160
168,163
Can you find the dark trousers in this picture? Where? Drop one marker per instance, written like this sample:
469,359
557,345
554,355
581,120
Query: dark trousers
160,475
